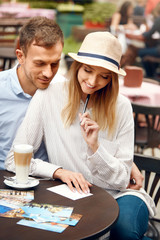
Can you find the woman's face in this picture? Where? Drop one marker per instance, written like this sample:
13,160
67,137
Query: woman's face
130,11
93,78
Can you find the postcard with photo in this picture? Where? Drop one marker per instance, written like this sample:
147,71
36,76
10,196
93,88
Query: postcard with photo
10,212
72,220
14,202
11,202
17,194
54,227
45,212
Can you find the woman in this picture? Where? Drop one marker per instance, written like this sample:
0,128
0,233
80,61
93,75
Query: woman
123,18
150,54
95,147
121,22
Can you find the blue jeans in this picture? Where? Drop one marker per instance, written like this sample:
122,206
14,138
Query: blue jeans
132,222
150,67
152,51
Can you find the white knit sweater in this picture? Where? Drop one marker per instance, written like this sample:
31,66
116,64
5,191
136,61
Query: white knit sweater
109,167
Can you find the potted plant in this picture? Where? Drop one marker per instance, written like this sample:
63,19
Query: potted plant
70,45
68,15
98,14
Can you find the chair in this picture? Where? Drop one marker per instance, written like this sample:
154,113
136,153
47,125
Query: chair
154,64
134,76
150,80
138,20
8,54
147,136
150,167
9,41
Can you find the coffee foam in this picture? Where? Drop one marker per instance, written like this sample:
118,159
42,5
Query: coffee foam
22,159
23,148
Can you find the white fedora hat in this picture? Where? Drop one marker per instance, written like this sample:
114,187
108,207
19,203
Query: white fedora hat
100,49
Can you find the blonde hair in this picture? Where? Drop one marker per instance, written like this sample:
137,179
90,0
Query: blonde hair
104,101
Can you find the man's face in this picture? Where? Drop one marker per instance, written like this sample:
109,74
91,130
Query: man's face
40,65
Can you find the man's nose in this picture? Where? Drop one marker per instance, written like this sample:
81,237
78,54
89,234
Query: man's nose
47,71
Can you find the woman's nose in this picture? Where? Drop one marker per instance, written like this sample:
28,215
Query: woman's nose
92,80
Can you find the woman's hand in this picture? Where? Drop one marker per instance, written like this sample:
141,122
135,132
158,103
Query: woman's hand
73,179
138,178
89,130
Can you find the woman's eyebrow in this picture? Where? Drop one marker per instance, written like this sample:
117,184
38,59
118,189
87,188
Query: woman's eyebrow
93,69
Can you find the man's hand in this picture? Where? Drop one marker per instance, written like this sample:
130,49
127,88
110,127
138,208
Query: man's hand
136,178
73,179
135,37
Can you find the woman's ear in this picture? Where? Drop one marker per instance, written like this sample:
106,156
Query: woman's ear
20,56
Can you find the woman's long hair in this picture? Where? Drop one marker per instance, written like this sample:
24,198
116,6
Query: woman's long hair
104,101
124,12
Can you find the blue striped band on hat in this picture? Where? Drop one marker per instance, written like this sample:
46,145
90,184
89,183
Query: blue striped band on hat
98,56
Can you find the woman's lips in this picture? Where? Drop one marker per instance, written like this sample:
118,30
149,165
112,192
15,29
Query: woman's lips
89,86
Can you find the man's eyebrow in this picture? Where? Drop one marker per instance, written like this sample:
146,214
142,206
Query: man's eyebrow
38,60
41,61
58,60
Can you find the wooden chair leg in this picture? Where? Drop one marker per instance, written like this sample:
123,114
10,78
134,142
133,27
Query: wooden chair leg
153,152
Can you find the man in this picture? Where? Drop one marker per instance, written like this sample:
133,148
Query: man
152,49
41,43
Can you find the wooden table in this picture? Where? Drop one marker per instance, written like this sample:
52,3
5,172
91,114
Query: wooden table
100,211
147,94
12,22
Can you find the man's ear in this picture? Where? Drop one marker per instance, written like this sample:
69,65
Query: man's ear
20,56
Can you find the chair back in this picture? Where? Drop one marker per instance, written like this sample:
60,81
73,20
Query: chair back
148,136
150,80
150,167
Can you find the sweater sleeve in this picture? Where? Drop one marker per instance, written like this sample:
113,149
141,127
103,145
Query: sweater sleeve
31,132
111,163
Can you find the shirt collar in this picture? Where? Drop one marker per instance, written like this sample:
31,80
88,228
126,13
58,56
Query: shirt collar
17,89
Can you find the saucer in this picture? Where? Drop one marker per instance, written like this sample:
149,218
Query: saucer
32,182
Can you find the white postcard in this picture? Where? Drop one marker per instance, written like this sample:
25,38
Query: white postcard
65,191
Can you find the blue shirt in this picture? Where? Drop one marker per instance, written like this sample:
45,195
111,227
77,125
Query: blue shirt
13,105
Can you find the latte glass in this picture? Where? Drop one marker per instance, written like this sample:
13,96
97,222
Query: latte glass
22,157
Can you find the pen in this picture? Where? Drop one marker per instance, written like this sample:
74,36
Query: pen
86,102
85,105
133,181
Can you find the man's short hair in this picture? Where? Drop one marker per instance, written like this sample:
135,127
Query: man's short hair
45,32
